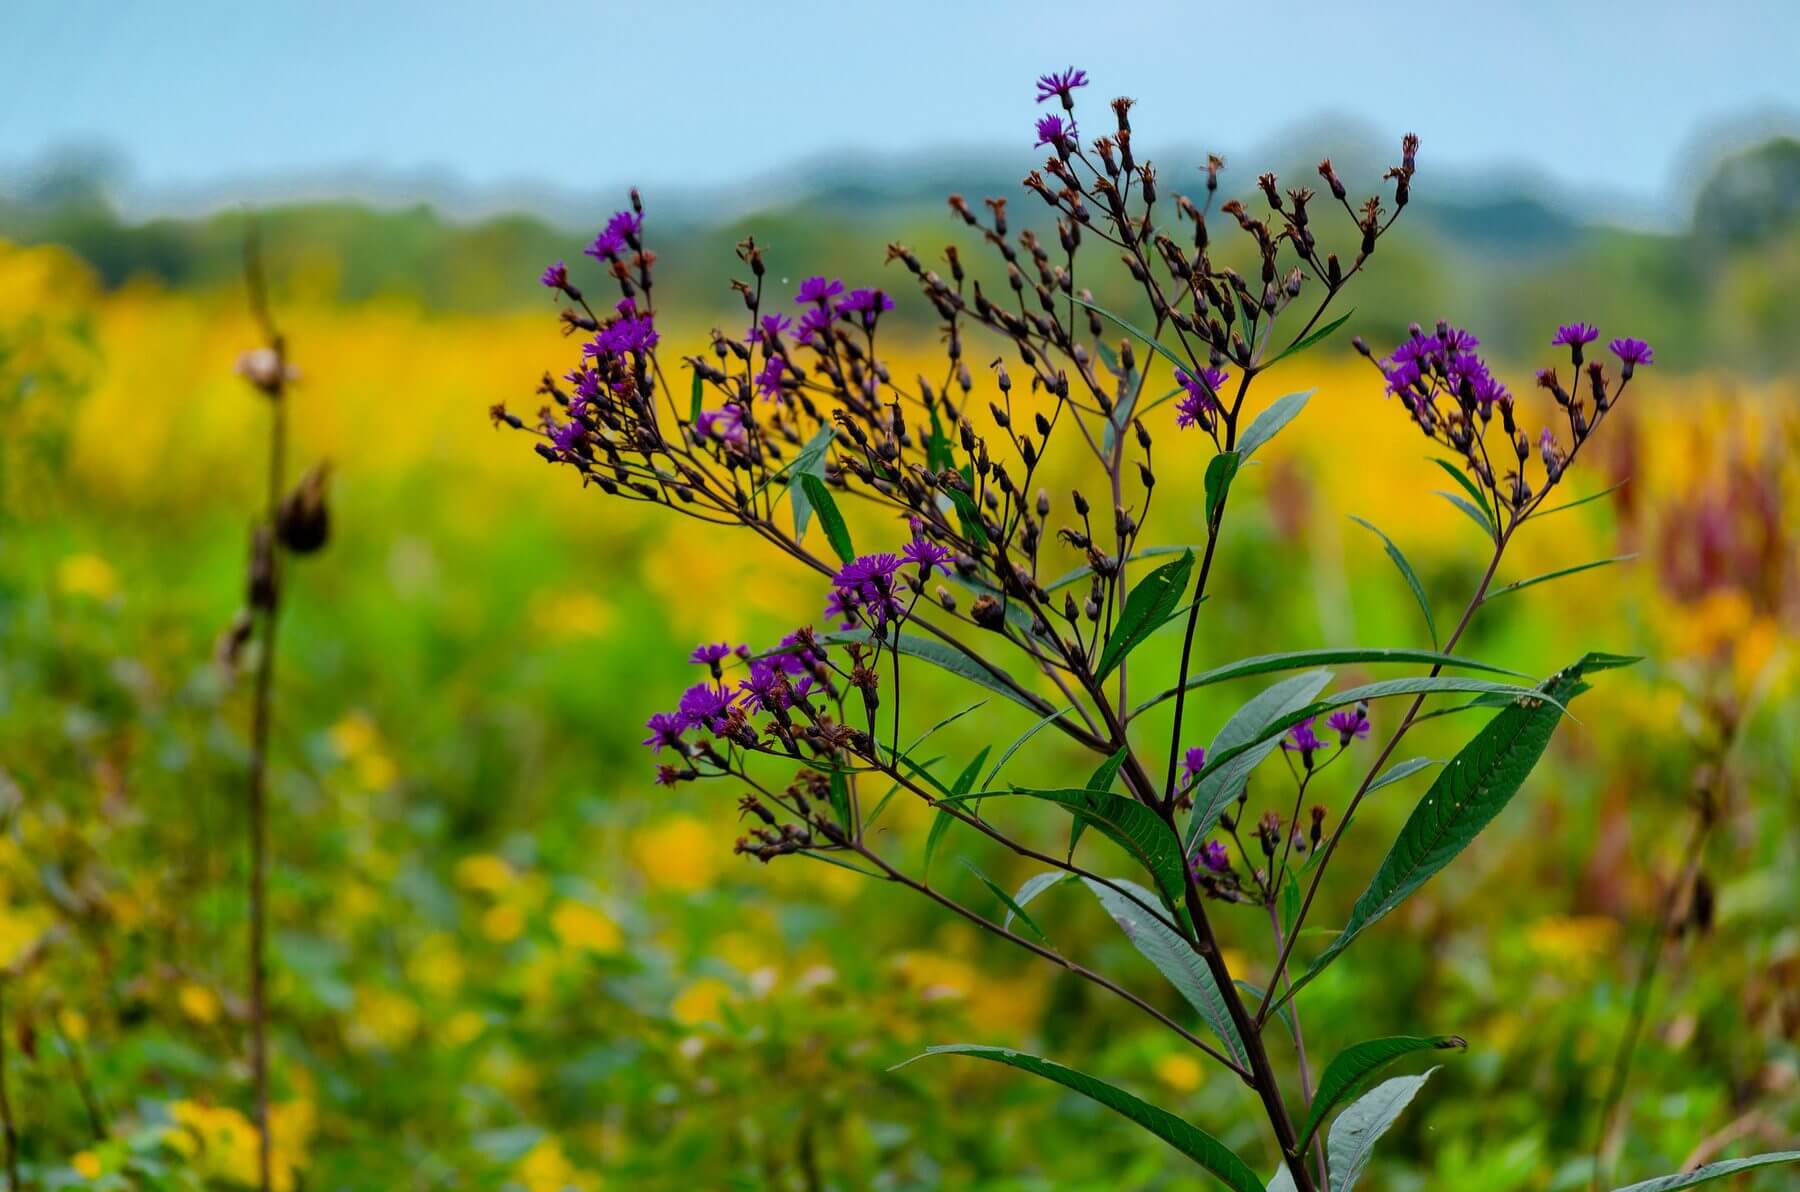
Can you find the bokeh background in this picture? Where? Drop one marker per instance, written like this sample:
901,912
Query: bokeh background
502,958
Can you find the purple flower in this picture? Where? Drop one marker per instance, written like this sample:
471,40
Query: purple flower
795,658
556,277
1632,352
926,554
1302,740
705,705
665,729
1197,406
568,436
814,322
818,290
1573,335
767,688
1061,83
1050,131
726,425
867,584
768,381
613,239
628,333
770,328
1212,856
1192,763
1351,724
867,303
714,653
586,382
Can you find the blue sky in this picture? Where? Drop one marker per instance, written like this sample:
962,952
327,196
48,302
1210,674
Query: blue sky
196,94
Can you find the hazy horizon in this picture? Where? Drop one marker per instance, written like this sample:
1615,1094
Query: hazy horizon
445,104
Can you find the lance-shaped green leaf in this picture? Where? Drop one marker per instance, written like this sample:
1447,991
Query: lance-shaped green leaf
1127,823
1173,957
695,395
1354,1135
1468,793
1320,334
1083,571
1150,343
810,462
1575,504
825,505
1712,1171
1014,909
1268,424
1399,770
965,782
1475,515
1550,575
1146,608
1216,791
1037,884
1354,1065
840,798
1469,486
1019,743
1102,780
949,658
1263,664
968,514
1406,573
1219,473
1191,1141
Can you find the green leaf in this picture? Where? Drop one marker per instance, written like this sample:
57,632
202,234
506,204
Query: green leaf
1035,885
1023,737
1399,770
1354,1135
1014,910
1101,781
938,454
1216,791
1150,343
1130,825
1082,572
1268,424
1219,473
1475,515
1315,337
810,462
1470,791
1607,491
1290,903
965,782
1712,1171
1550,575
1352,1066
1469,486
1191,1141
1263,664
1173,957
695,399
1253,996
835,530
840,798
1387,688
968,514
946,721
949,658
1146,607
1406,572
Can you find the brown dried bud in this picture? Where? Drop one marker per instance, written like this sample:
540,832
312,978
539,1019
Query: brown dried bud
303,521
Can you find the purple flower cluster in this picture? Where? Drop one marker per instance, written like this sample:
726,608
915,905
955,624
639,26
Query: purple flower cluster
1211,857
630,332
1445,361
817,292
621,232
776,682
867,587
1200,403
